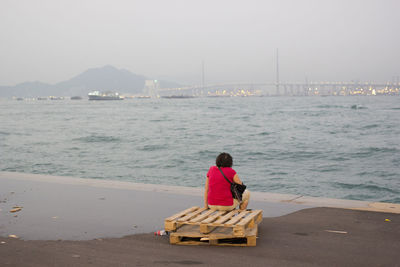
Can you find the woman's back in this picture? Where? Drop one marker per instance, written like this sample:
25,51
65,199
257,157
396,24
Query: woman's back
219,192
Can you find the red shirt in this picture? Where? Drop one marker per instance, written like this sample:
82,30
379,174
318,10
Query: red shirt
219,190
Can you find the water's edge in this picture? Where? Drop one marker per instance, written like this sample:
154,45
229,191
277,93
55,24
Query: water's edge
197,191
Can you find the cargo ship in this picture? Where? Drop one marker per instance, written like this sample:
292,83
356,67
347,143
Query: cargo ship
97,95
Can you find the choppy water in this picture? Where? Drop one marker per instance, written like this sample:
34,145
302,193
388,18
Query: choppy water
340,147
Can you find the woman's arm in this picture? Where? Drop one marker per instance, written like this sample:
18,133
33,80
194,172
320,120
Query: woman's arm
206,195
236,179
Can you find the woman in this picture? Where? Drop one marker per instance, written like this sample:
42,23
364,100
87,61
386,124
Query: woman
217,193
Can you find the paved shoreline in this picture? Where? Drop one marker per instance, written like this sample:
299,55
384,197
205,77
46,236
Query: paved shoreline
66,221
309,237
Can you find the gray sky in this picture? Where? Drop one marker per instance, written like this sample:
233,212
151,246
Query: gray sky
51,41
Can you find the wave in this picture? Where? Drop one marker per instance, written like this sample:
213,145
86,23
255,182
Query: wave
369,151
329,169
371,126
330,106
392,200
368,187
42,164
41,143
98,139
382,149
216,108
297,155
381,174
340,158
358,197
358,107
152,147
277,173
256,153
208,153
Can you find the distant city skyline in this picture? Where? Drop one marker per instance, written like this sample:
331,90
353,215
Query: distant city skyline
232,41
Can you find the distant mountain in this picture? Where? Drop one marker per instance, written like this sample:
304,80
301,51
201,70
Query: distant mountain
27,89
107,78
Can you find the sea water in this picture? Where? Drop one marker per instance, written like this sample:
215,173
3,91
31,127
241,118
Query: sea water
338,147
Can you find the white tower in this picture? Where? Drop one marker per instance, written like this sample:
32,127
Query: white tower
151,88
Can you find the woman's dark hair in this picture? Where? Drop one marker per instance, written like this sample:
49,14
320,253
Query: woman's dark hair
224,160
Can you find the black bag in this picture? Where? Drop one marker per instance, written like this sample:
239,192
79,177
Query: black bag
236,189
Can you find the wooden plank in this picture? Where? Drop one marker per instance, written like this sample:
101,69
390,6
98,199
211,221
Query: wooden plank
180,214
174,239
213,217
218,233
259,218
170,226
191,215
170,223
251,241
226,217
202,216
250,219
239,231
213,239
237,218
205,228
188,228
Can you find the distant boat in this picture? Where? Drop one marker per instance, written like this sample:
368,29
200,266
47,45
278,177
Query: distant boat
56,98
76,97
97,95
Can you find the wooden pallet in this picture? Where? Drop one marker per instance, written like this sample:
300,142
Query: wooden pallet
206,220
189,235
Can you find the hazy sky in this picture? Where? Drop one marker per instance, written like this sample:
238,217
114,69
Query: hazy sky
53,40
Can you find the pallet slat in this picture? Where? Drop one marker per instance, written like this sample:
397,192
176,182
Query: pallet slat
170,222
202,216
237,218
253,216
191,215
213,217
180,214
226,217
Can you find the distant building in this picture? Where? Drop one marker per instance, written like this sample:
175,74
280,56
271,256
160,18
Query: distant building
151,88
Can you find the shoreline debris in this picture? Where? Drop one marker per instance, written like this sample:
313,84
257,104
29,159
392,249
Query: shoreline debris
16,209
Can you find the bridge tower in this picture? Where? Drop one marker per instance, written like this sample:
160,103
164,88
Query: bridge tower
277,72
202,77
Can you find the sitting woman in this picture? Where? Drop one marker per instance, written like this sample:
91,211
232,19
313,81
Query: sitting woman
217,194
